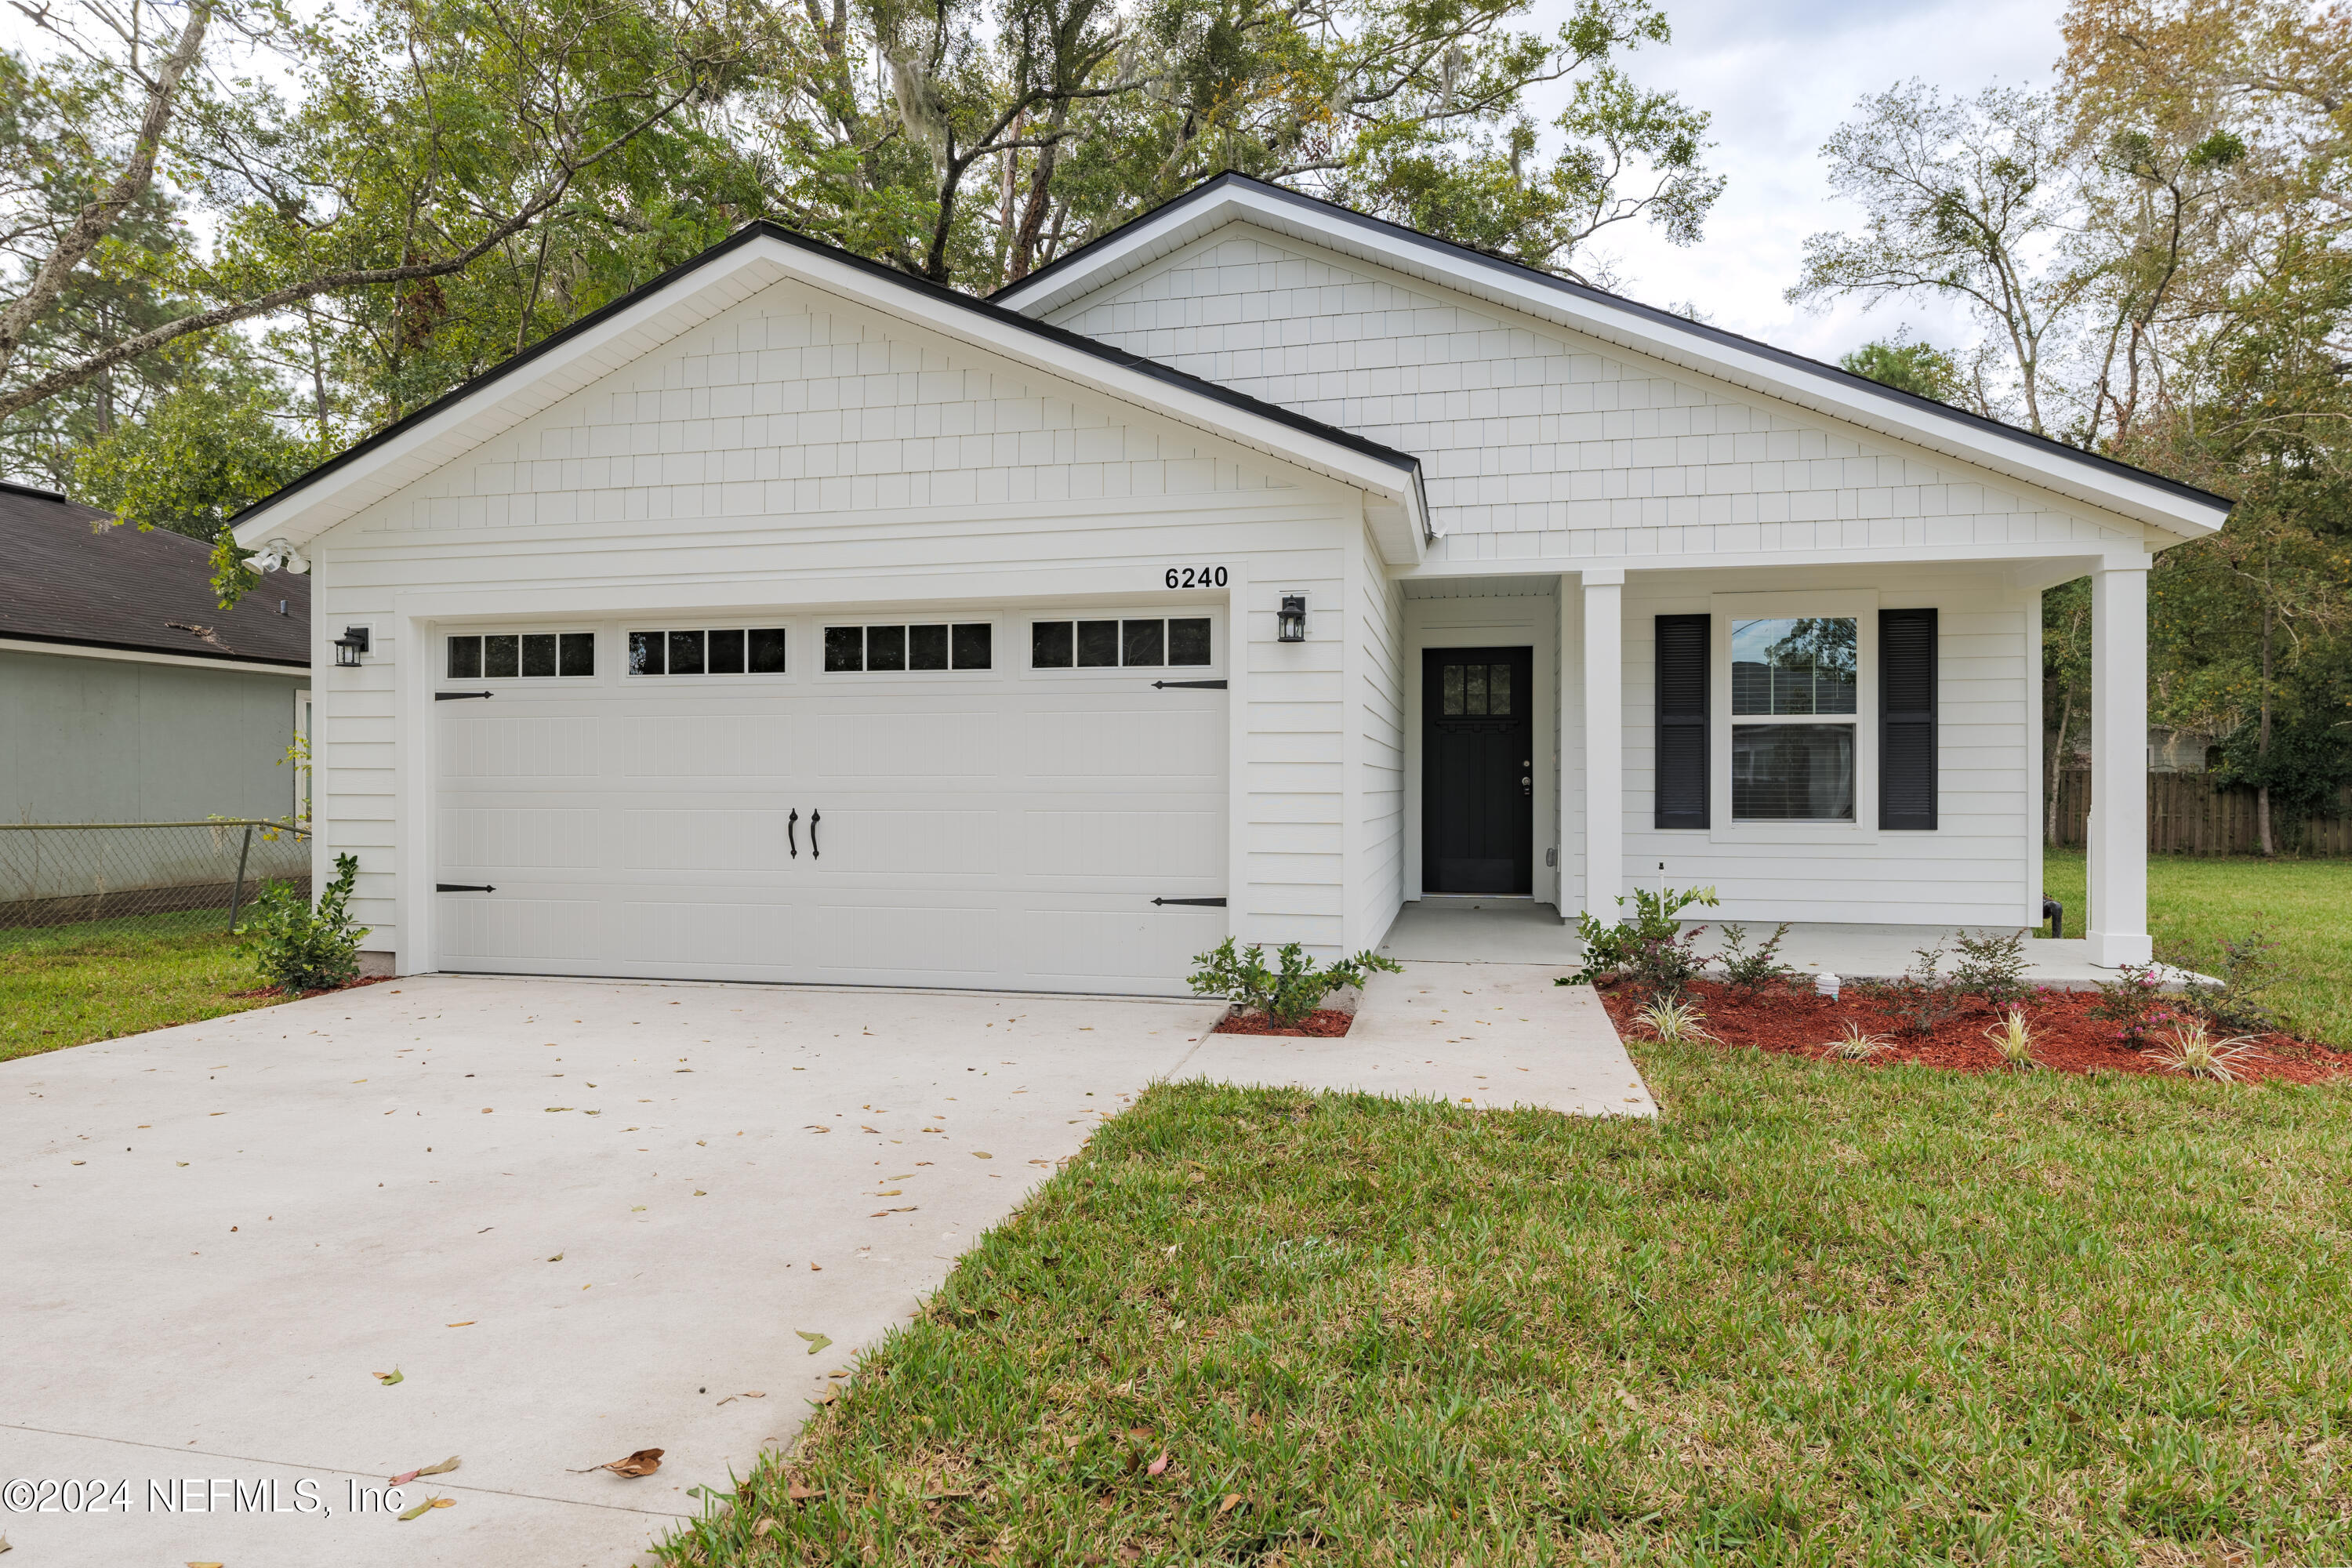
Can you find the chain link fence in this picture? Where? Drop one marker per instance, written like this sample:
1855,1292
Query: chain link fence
65,883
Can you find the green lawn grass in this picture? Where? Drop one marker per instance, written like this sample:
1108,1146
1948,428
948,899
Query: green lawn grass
2194,901
67,985
1816,1314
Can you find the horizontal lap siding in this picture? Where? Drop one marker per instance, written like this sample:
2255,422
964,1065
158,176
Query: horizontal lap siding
895,468
1376,878
1538,443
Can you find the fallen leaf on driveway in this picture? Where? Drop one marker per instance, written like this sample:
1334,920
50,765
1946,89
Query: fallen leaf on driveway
389,1378
893,1193
832,1392
816,1341
636,1208
643,1462
866,1129
1157,1465
559,1108
466,1323
557,1258
442,1468
815,1129
419,1511
885,1214
755,1393
981,1154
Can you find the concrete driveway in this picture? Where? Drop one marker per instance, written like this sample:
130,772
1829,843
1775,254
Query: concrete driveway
579,1218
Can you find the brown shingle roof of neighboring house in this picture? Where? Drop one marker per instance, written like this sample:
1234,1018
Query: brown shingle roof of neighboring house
63,581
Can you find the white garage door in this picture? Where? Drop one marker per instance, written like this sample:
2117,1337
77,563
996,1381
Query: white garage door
1005,827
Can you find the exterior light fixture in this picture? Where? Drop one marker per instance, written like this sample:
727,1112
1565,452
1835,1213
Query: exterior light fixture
1290,626
350,646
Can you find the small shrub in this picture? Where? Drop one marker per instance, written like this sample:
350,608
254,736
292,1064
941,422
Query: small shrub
1652,949
2131,1000
1286,994
297,948
1675,1023
2013,1039
2249,969
1855,1044
1993,967
1925,998
2190,1047
1749,970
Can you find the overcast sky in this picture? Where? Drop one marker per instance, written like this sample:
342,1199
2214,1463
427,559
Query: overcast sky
1779,75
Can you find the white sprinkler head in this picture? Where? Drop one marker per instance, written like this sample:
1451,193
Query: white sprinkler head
1827,984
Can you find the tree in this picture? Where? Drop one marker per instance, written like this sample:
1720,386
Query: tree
1907,365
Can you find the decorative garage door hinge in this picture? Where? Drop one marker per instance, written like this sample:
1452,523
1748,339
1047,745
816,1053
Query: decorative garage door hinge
457,696
1205,903
1174,686
463,888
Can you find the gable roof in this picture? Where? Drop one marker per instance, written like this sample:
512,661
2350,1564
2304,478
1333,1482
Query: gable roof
762,254
2149,498
63,581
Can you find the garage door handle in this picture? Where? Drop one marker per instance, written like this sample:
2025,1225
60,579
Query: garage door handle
457,696
1205,903
793,832
1164,686
814,818
463,888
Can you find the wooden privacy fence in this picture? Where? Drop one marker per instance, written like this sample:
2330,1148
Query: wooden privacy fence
2189,813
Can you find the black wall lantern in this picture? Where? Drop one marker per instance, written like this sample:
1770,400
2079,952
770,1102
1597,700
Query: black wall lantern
1290,626
350,646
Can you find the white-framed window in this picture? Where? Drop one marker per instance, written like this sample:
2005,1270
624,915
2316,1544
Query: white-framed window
1796,676
521,655
707,650
910,648
1127,642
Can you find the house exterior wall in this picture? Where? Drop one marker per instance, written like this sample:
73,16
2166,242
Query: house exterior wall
108,739
1539,444
800,452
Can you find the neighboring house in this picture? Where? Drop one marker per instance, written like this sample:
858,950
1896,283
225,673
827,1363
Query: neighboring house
126,693
1254,570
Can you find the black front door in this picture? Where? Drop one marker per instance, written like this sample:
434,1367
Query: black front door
1477,757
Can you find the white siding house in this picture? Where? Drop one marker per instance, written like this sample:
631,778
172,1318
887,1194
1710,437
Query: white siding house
792,620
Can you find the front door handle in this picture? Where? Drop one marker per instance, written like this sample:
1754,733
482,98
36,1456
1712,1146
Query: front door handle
814,818
793,832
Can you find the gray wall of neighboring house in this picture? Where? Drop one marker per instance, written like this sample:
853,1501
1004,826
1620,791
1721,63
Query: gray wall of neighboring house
108,740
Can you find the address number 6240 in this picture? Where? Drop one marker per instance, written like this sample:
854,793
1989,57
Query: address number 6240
1196,576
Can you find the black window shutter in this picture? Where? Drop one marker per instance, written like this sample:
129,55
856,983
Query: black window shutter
1685,653
1906,720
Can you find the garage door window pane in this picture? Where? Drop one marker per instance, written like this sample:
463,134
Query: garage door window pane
1792,773
1143,643
886,648
1187,641
539,653
578,654
1097,644
975,646
767,650
502,656
726,654
926,647
844,649
686,653
645,654
464,658
1051,644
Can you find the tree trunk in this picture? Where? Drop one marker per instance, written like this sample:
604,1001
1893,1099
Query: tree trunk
2057,770
2262,747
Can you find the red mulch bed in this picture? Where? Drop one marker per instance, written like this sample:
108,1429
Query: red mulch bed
2067,1038
280,992
1323,1023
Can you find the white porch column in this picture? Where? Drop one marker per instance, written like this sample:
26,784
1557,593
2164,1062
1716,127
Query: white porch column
1605,741
2116,920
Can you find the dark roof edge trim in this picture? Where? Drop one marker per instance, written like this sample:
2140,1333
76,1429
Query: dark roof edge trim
212,655
1390,233
34,491
763,227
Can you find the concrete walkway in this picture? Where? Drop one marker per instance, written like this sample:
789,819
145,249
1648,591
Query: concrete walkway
579,1218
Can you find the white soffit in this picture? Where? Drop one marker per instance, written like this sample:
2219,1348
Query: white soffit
638,325
2178,510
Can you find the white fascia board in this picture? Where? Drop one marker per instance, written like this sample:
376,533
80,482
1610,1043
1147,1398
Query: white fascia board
2019,457
469,418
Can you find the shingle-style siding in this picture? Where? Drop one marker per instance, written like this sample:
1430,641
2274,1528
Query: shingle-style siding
1537,443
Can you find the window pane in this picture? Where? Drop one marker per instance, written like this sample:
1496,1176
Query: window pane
926,647
1143,643
1051,644
767,656
539,653
579,654
726,652
845,647
1793,667
886,648
1453,691
1187,641
464,658
1792,773
1097,644
975,645
645,654
1498,690
502,656
686,653
1474,689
